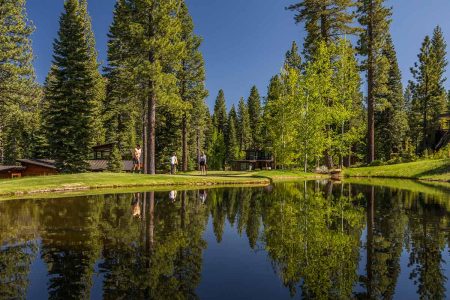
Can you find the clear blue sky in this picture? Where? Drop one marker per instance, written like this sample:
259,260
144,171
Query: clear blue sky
244,40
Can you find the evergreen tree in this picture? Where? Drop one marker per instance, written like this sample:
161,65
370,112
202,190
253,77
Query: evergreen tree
98,98
122,109
374,18
391,124
71,95
429,96
148,49
232,137
244,129
19,93
273,94
293,58
324,20
191,78
255,114
115,160
220,113
217,151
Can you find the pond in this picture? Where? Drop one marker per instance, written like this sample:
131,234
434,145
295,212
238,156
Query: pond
287,241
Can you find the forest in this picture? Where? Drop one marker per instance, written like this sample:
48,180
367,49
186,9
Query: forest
337,101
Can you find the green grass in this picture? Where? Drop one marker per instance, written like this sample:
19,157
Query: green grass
433,170
77,183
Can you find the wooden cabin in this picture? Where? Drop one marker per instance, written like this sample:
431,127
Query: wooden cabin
38,167
254,159
443,133
11,172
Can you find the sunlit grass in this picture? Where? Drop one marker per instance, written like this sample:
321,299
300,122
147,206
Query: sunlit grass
90,181
438,170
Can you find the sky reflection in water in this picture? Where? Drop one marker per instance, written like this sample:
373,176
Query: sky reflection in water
292,240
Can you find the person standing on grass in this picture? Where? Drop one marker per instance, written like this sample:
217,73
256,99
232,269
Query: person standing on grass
202,163
173,164
137,153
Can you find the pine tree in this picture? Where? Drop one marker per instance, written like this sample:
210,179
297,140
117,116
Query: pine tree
115,163
19,93
191,78
255,114
71,95
429,97
324,20
293,58
220,113
391,124
273,94
374,18
148,50
122,108
232,137
244,129
99,82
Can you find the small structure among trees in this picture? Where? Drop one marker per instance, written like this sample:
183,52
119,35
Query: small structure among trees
254,159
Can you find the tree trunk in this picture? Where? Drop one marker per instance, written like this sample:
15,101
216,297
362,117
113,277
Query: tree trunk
369,245
185,143
151,134
198,147
370,92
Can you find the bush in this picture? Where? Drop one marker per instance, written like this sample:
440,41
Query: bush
377,163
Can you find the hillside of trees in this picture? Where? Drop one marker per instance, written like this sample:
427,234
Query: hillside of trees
338,100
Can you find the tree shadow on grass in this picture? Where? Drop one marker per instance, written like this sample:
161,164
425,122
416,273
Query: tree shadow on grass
444,169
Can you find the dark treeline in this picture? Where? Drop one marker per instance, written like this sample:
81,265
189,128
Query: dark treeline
152,91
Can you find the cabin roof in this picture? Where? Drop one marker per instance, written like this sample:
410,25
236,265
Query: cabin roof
46,163
11,168
104,147
94,165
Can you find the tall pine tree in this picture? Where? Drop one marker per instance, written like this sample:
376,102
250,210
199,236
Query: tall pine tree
324,21
220,113
19,93
149,50
232,137
71,95
99,82
123,109
374,18
293,58
191,78
255,114
429,96
244,129
391,123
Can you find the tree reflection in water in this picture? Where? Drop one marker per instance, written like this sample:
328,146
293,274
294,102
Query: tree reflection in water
324,240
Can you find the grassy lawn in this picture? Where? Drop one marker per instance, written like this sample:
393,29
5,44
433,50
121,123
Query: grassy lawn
436,170
109,181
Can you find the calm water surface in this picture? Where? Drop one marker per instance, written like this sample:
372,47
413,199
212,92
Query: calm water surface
311,240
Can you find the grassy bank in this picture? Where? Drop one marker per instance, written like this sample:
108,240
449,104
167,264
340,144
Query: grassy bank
432,170
109,181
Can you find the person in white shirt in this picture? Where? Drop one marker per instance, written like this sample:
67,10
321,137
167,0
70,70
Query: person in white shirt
137,158
173,164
